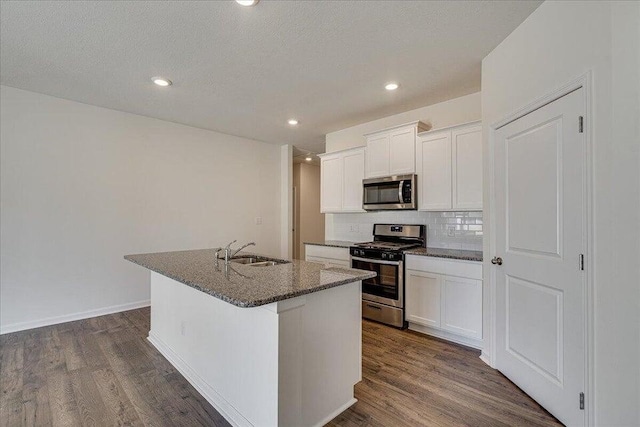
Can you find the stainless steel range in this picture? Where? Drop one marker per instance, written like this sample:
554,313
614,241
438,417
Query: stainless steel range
383,296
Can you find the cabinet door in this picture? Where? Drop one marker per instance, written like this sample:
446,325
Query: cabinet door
353,169
462,306
402,151
434,172
423,298
467,168
331,183
377,163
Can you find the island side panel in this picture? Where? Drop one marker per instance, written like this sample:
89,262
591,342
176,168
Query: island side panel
228,353
333,345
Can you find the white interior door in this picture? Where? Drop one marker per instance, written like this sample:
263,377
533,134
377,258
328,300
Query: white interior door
540,218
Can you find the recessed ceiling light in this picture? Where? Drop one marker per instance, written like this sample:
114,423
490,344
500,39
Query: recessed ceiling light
391,86
308,159
292,122
247,2
161,81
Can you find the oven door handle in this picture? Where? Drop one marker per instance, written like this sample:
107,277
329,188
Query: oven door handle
375,261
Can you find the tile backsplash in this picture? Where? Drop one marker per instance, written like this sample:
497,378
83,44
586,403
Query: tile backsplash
450,230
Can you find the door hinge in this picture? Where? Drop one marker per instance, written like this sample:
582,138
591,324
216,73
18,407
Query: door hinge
582,262
580,124
582,401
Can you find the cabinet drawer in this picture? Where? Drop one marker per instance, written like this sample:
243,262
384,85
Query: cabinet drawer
327,252
329,261
449,267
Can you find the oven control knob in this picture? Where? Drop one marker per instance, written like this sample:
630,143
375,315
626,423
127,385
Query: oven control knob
384,255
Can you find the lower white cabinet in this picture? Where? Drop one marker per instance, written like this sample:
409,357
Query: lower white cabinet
445,296
462,306
423,298
328,255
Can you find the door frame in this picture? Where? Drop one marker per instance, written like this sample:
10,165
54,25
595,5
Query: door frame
584,81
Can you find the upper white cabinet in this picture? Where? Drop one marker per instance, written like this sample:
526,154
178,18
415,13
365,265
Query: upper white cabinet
449,168
377,163
434,172
341,175
353,173
466,152
392,151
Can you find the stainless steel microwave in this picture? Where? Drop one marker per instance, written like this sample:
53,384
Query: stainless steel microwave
390,193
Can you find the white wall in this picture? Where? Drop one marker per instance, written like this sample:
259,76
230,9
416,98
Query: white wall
452,112
559,42
81,186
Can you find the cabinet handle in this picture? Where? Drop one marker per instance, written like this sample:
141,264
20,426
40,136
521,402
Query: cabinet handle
374,307
496,260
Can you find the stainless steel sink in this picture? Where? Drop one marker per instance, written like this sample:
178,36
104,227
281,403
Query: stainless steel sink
265,264
247,260
256,261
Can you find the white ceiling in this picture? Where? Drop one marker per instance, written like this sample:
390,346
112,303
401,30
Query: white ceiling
245,71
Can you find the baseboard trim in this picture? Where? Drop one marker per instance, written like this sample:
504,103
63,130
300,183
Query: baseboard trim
486,359
23,326
337,412
469,342
213,397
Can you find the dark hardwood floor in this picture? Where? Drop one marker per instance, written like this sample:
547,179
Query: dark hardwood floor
103,372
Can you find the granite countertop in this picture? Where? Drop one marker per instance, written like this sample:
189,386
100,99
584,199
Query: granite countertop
447,253
244,285
332,243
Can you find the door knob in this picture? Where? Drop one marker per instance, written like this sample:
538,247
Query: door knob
496,260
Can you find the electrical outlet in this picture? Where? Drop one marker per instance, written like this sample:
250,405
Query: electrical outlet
354,228
451,230
258,220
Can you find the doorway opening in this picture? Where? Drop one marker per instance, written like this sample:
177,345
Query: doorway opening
307,221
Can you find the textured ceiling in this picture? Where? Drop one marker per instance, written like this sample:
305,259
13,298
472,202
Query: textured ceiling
245,71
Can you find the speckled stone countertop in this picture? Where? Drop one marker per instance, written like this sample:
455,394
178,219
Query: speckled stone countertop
332,243
245,285
446,253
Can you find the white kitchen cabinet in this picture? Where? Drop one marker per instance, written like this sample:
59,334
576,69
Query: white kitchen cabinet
377,163
462,306
423,298
392,151
353,173
466,152
331,168
341,175
328,255
449,168
444,298
402,151
434,172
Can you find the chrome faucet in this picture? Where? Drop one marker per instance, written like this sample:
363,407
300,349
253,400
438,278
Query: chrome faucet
230,253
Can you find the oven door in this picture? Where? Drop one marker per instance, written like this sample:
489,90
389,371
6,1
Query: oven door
387,286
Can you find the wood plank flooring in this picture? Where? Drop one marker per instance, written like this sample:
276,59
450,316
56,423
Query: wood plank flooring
102,371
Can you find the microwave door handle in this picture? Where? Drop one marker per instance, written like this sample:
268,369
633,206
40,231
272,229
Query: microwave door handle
400,198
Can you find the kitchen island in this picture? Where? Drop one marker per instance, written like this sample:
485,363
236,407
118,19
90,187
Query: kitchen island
266,345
